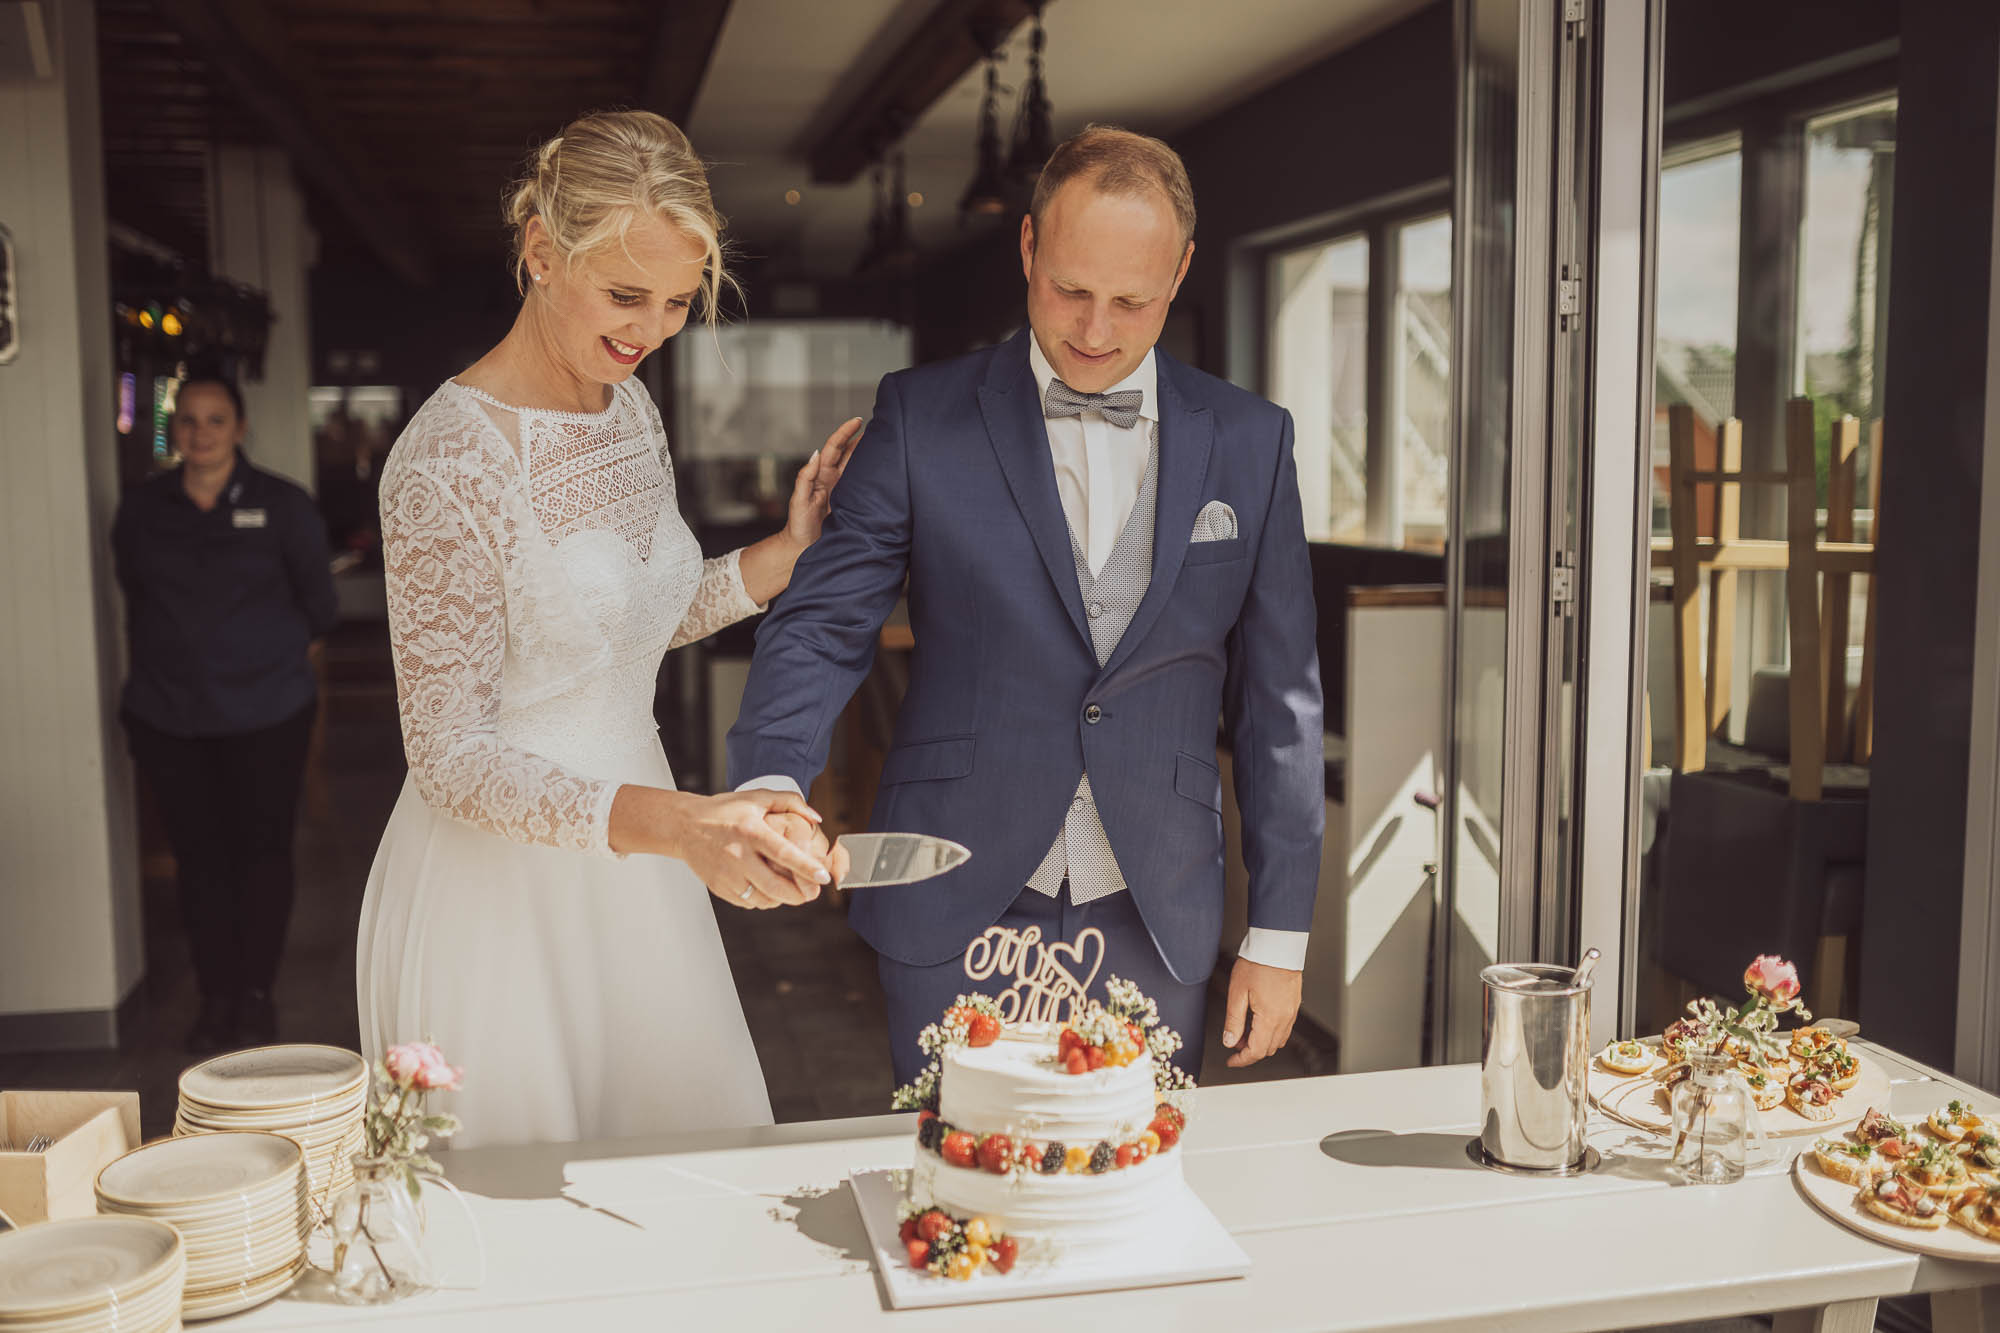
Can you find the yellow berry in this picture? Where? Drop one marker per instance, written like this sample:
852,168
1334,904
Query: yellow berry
1076,1159
1152,1142
977,1253
978,1232
960,1266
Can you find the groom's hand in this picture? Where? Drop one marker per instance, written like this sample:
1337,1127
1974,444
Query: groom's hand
1268,998
807,836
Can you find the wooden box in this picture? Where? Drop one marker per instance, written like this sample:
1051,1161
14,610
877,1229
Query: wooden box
90,1129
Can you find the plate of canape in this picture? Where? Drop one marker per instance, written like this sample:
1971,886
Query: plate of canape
1916,1188
1818,1086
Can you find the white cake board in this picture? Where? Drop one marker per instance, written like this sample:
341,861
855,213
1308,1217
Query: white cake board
1186,1244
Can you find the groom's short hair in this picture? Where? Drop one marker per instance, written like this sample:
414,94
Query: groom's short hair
1117,161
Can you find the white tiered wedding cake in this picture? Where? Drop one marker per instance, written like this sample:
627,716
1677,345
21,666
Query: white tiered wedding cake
1039,1138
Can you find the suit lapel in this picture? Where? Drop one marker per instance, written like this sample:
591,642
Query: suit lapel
1186,436
1020,439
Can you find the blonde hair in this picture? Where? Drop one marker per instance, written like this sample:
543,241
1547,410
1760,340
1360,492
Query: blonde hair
1117,162
590,182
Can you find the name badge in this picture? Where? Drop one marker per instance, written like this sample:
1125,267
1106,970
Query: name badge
246,518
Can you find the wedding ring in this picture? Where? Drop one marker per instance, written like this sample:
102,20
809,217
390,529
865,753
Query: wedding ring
745,895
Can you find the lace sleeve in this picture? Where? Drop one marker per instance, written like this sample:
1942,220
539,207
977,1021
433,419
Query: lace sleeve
448,630
719,602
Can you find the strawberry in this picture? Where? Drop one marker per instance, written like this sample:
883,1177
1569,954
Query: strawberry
982,1030
1172,1114
1094,1056
1128,1153
1004,1252
926,1114
1029,1154
1165,1128
908,1231
1138,1037
919,1252
996,1151
1077,1062
959,1148
957,1013
931,1225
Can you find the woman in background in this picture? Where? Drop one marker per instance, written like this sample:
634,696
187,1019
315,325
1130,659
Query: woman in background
225,572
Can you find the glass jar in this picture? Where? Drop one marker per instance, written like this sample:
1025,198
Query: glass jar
1715,1122
378,1237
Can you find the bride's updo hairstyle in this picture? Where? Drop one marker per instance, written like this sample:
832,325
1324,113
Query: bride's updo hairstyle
590,182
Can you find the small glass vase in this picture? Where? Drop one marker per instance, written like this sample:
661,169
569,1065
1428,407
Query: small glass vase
378,1237
1715,1123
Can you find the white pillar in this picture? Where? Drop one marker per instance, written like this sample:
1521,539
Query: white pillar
70,937
258,236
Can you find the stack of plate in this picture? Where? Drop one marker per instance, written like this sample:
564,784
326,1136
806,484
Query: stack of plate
313,1094
239,1202
94,1274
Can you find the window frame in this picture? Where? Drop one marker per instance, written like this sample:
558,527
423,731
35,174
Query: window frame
1378,222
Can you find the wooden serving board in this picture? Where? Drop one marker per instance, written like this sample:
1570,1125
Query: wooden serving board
1840,1201
1641,1101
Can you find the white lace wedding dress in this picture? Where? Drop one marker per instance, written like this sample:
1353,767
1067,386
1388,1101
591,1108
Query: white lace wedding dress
538,569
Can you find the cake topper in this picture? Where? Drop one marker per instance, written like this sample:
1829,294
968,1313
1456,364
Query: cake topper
1046,988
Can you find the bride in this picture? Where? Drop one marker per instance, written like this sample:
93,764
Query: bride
536,906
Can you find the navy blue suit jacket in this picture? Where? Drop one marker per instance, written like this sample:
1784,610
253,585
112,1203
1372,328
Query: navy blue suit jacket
954,487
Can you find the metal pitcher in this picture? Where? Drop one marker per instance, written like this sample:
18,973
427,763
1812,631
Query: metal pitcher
1533,1064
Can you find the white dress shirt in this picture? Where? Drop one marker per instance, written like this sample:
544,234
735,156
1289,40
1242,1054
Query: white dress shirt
1099,470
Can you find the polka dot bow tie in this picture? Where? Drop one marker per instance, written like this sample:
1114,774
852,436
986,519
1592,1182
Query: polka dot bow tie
1120,409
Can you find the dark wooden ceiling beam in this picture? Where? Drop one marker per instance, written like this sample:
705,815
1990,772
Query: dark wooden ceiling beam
683,47
240,41
924,68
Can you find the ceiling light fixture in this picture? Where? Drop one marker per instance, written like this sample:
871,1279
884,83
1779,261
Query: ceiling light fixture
1034,137
986,196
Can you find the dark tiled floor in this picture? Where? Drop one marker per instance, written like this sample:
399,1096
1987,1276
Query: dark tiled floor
807,983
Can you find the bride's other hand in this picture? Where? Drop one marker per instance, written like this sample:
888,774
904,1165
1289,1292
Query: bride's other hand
728,841
812,491
801,832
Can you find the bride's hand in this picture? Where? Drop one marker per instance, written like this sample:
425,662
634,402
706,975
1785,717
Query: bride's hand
812,491
727,840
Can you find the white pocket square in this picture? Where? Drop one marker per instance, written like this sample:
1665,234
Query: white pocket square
1215,523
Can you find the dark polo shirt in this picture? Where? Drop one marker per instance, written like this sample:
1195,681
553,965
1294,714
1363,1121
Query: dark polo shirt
221,606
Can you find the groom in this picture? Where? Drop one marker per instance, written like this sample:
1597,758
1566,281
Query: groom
1104,554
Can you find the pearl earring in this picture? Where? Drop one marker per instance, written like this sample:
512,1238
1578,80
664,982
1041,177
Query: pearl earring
538,277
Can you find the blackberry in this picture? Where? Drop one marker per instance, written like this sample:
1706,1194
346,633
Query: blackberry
1101,1158
1052,1159
930,1134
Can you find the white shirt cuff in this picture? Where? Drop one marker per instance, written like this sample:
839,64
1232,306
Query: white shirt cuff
1275,948
771,782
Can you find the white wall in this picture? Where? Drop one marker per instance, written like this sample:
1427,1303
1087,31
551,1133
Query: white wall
258,236
69,912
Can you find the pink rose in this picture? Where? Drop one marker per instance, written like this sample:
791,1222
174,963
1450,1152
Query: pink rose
420,1065
1772,978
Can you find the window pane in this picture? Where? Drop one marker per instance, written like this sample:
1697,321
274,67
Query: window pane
1701,196
1424,427
1843,292
1318,357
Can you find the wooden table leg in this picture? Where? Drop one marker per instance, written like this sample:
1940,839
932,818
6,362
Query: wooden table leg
1839,1317
1967,1310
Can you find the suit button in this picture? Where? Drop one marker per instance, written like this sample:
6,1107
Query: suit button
1096,609
1093,714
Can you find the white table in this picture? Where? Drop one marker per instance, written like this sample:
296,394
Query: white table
1352,1195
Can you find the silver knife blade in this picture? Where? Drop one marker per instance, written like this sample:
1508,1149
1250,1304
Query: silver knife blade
876,859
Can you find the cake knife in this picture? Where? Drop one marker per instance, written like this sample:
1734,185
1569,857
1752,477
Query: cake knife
877,859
